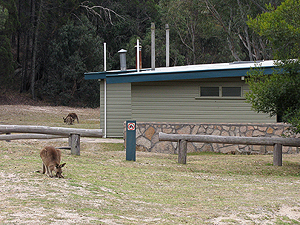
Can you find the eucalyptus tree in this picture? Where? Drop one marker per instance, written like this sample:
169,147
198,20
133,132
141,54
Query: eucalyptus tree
279,93
120,22
39,19
5,53
280,25
232,16
75,50
194,31
8,26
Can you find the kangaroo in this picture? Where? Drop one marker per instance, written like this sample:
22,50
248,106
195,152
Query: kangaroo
68,120
51,161
71,118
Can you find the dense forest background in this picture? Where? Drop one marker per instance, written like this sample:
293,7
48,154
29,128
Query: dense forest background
46,46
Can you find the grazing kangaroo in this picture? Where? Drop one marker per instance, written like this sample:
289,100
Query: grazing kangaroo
68,120
71,118
51,161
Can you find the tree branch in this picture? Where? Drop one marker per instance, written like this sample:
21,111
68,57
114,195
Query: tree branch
107,12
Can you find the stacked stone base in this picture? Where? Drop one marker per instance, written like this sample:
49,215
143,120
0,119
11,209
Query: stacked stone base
147,137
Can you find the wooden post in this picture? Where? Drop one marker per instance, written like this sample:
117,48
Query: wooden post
277,155
8,134
70,140
74,141
167,45
182,151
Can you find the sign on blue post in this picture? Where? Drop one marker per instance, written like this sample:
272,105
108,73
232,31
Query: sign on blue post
130,140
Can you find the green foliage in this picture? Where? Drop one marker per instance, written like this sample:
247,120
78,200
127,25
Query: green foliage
8,17
194,35
8,24
278,93
6,58
76,49
293,118
281,26
131,53
135,20
200,32
3,17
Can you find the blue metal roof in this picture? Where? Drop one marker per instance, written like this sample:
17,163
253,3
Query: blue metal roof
235,69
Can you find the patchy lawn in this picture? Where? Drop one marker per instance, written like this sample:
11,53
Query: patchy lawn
101,187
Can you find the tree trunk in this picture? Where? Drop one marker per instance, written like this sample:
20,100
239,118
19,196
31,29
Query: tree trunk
246,42
25,64
226,28
34,50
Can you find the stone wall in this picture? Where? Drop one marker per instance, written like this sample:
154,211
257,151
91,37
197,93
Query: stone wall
147,136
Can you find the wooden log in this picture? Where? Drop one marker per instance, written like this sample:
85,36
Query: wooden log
231,139
50,130
28,136
75,144
277,155
182,151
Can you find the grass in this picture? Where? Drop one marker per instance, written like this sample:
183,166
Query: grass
48,116
101,187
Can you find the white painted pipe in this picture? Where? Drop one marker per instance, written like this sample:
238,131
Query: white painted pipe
104,56
167,46
105,108
138,55
105,90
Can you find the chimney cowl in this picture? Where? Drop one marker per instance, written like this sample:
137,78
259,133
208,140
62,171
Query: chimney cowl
122,51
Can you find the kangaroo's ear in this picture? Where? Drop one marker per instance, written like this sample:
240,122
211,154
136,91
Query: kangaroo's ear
57,166
62,165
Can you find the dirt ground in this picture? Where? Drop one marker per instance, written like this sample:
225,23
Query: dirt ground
99,187
14,185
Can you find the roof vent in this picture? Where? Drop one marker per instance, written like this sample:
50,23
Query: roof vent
122,53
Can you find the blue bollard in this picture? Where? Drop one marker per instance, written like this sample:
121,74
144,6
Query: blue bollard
130,140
